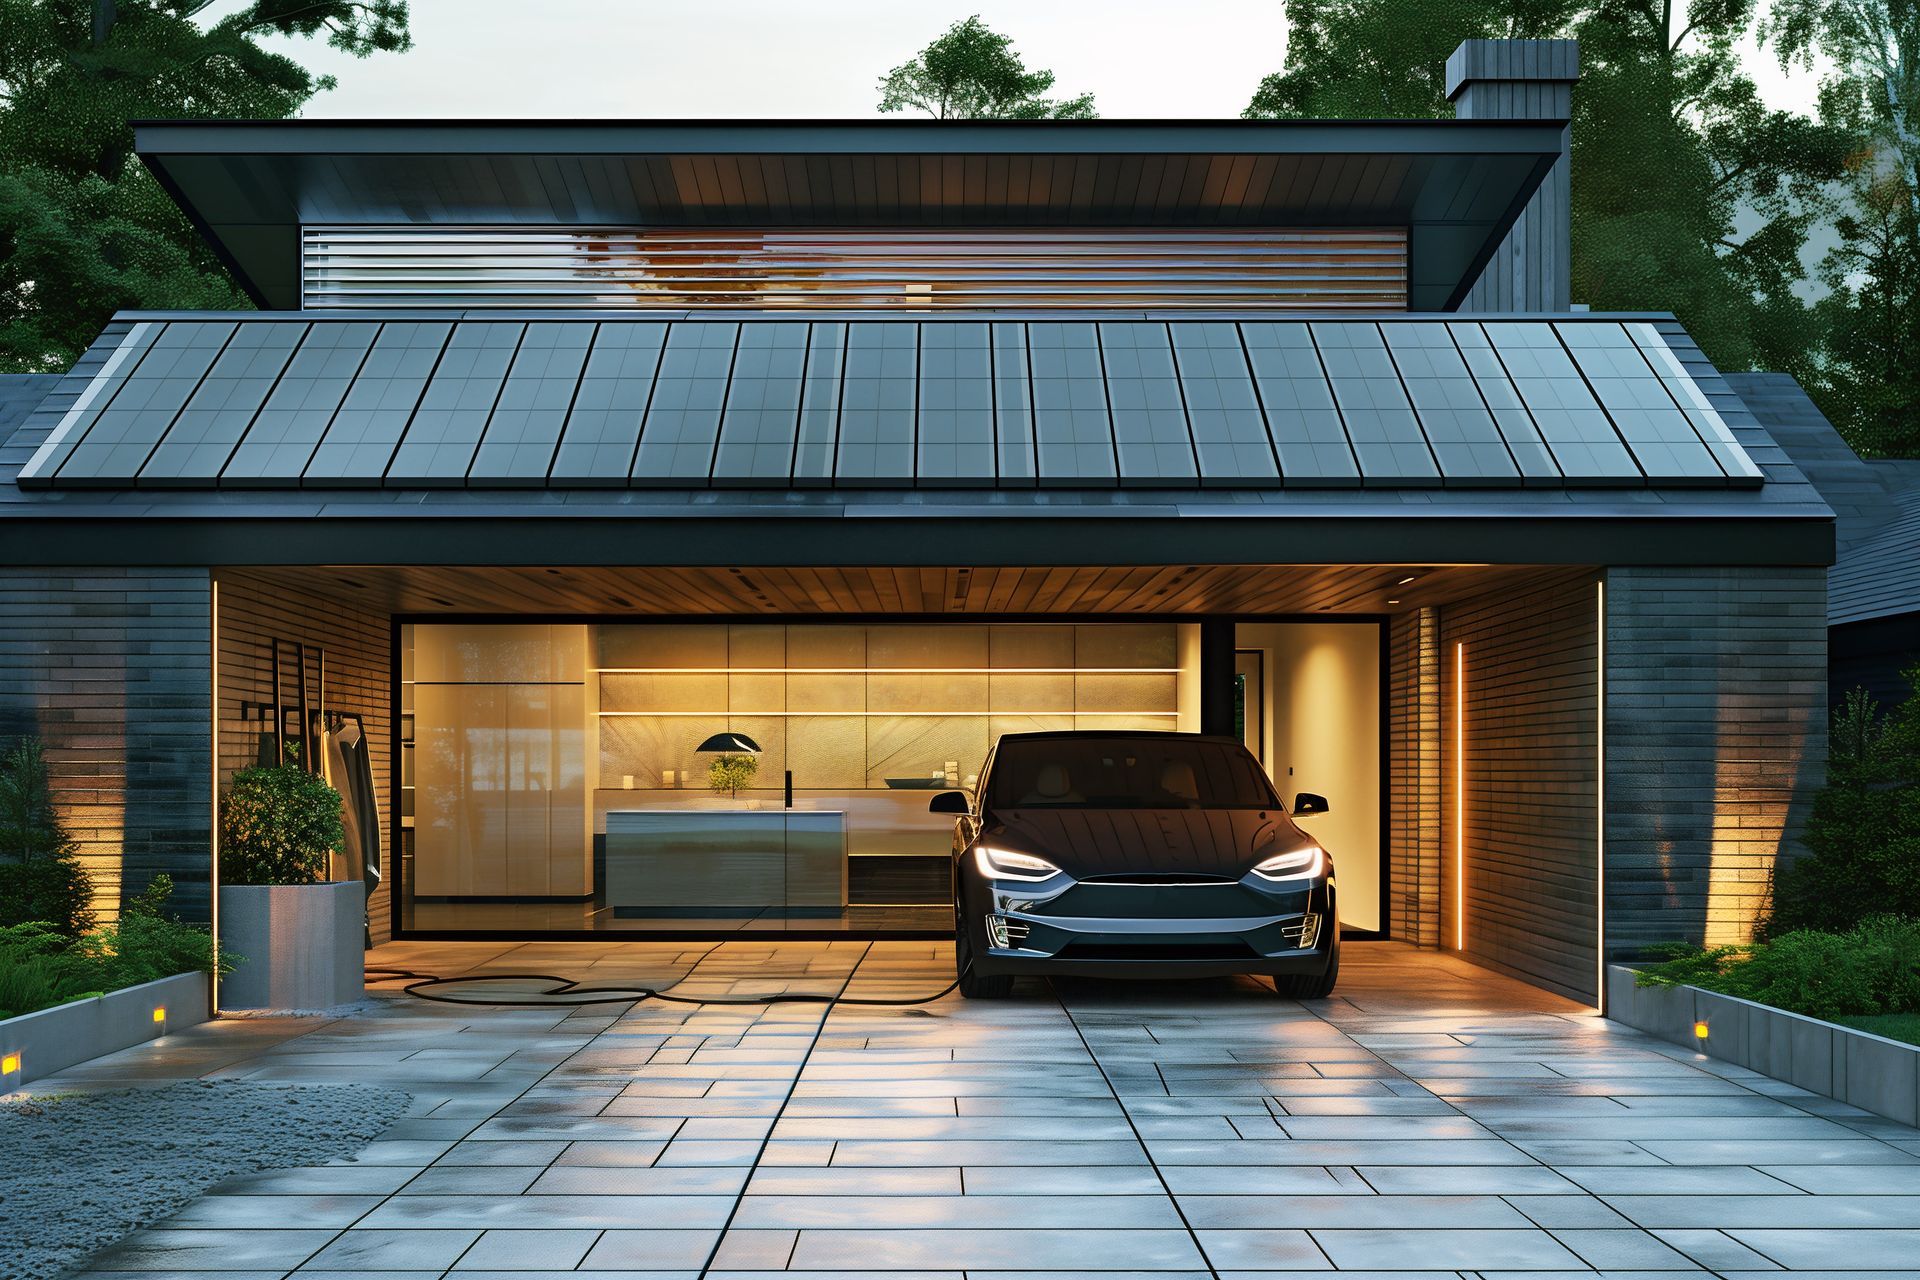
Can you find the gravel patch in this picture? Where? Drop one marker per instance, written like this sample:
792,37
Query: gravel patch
83,1169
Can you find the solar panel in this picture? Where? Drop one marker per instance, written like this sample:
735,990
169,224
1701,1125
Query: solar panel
213,421
524,431
1230,438
367,427
603,425
1150,434
289,426
452,414
889,402
683,418
877,404
1307,431
956,443
758,428
125,432
1071,427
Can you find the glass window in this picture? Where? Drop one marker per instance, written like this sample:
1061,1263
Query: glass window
1149,418
1229,431
524,429
763,406
683,420
1307,431
1126,772
603,425
1072,429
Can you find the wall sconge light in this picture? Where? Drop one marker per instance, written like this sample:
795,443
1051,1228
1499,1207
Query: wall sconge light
1699,1031
10,1065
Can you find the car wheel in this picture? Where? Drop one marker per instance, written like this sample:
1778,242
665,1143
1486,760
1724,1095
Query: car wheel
976,986
1311,986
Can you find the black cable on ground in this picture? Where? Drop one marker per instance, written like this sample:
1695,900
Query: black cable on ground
560,992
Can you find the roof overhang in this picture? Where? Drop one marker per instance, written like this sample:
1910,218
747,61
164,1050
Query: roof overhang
1456,185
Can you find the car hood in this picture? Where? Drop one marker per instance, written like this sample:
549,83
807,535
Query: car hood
1102,842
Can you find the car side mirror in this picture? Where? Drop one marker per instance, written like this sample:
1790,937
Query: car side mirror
954,802
1307,804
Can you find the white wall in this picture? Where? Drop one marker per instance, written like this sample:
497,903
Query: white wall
1322,734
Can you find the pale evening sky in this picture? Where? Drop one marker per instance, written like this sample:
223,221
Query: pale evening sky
818,58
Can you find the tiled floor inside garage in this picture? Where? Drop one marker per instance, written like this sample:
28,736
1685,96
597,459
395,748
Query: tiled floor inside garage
1431,1118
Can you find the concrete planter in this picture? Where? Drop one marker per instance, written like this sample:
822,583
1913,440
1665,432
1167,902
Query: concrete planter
52,1040
301,946
1855,1067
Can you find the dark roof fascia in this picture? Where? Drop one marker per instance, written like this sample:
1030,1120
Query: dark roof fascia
1082,537
839,137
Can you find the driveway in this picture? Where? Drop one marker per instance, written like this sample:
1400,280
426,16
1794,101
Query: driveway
1431,1118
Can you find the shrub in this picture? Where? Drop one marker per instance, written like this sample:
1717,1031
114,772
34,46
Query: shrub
277,826
41,877
1873,968
1863,833
40,969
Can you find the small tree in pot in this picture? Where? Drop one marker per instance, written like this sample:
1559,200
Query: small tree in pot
279,825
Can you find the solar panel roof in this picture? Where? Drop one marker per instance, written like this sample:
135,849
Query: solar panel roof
249,401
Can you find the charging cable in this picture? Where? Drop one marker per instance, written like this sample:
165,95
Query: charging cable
569,993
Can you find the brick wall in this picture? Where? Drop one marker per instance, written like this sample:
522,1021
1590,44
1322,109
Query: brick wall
1716,723
110,668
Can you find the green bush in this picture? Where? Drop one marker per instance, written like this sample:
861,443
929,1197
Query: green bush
1863,832
41,878
1872,968
39,968
277,826
730,773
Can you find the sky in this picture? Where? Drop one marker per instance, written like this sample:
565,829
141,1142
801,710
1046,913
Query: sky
814,58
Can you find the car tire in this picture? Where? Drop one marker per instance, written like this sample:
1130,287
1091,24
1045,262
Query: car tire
976,986
1311,986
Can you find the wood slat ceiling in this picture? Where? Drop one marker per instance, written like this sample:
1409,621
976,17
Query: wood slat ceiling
956,591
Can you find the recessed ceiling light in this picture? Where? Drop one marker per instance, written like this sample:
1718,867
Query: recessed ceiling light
1404,581
1393,602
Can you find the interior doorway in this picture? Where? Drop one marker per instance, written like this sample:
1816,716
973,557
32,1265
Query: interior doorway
1308,703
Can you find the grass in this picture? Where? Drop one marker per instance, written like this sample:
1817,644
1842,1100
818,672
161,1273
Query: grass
1894,1026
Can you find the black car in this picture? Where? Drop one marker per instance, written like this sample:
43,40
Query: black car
1136,854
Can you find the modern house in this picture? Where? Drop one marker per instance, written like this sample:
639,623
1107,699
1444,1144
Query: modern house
555,450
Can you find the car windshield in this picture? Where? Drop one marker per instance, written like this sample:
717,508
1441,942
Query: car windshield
1119,772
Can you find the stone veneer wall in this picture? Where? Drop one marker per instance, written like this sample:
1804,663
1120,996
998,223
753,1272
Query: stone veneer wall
1716,731
110,668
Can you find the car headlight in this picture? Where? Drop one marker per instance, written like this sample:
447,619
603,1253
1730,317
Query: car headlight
1005,864
1295,864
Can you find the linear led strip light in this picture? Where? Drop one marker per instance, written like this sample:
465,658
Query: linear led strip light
1600,796
1459,797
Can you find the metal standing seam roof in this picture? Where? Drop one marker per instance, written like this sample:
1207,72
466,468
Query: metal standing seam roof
437,400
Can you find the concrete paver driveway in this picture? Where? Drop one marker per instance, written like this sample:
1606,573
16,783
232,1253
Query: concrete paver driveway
1431,1118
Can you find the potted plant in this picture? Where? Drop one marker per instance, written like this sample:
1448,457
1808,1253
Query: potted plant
302,935
730,772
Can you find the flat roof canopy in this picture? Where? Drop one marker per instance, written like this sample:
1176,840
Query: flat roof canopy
1456,185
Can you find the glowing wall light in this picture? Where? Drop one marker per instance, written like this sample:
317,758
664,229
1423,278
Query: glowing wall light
1699,1031
10,1065
1459,797
1600,796
160,1018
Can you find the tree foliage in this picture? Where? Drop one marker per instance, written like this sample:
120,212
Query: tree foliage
41,876
972,73
1689,194
84,228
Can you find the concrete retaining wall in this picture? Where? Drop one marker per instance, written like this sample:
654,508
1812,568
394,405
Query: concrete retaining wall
54,1039
1854,1067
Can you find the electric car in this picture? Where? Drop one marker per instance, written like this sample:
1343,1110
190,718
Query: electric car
1136,855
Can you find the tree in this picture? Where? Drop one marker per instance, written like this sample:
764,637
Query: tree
972,73
1868,381
84,228
1689,194
41,878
